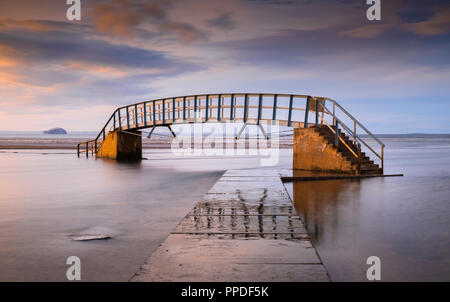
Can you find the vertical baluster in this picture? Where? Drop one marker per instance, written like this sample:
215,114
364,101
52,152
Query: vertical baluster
189,109
207,108
291,101
359,158
145,113
120,119
260,101
245,108
308,99
136,122
196,113
173,110
159,111
336,134
317,112
211,107
154,113
219,100
223,105
184,108
195,104
232,107
274,113
164,111
128,118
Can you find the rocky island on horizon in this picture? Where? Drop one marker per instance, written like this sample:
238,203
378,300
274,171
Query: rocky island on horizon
55,131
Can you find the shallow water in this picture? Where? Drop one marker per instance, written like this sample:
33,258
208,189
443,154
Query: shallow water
49,196
405,221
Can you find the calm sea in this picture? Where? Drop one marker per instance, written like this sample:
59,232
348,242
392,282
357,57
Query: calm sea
405,221
49,195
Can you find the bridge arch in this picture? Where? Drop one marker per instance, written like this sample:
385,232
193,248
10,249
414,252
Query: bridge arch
290,110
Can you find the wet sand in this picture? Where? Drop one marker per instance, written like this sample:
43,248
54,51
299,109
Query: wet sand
8,143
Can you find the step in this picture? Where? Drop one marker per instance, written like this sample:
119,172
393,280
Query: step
371,171
367,165
363,162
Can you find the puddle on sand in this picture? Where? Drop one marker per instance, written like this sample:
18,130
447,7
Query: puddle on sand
89,237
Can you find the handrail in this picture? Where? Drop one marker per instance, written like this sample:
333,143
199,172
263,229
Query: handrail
353,118
342,140
340,122
353,133
163,111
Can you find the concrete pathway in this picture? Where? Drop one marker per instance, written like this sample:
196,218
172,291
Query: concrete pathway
244,229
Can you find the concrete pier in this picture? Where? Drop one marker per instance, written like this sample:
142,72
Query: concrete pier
122,145
244,229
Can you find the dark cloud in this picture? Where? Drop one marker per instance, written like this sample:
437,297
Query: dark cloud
222,21
303,49
274,2
424,18
44,49
436,24
83,67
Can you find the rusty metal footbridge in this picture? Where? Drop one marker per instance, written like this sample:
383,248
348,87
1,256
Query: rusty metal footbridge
331,120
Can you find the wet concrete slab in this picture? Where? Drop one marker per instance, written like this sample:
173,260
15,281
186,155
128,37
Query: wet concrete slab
244,229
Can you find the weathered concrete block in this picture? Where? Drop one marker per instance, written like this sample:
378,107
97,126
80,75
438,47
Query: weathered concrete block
312,152
121,145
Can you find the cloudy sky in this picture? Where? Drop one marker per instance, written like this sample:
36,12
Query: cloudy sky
393,74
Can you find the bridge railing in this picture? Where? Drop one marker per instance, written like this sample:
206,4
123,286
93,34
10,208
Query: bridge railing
249,108
289,110
362,138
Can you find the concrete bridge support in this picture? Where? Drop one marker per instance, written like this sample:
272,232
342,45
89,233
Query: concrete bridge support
122,146
314,153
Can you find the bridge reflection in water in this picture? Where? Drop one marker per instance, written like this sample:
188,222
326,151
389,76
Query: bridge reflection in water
237,216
